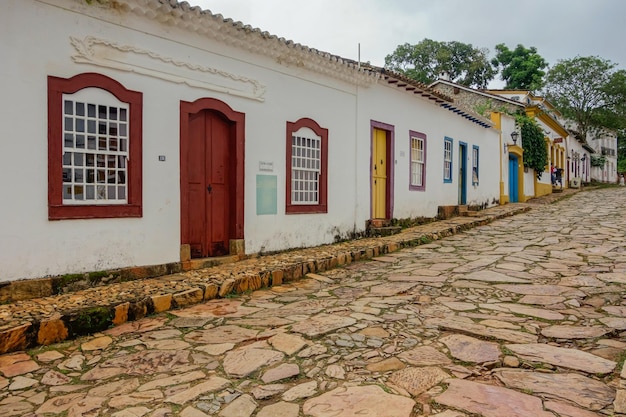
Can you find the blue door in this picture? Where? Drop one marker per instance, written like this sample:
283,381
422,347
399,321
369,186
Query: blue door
462,173
513,179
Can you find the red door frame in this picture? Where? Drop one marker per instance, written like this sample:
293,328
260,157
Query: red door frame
238,135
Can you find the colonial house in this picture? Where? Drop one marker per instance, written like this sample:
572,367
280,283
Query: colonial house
556,135
579,158
603,164
517,183
149,132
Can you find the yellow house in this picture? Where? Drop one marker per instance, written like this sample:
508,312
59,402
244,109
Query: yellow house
517,183
555,135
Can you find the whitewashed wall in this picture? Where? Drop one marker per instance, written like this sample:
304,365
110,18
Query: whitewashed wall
32,246
507,126
406,112
608,172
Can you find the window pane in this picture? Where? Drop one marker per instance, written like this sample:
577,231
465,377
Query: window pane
101,147
305,164
78,192
69,140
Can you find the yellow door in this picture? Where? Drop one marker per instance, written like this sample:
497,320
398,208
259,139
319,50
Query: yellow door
379,174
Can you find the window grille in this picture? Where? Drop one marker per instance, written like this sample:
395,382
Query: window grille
475,165
447,160
417,161
95,151
305,169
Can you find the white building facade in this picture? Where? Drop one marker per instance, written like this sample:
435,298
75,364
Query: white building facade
157,133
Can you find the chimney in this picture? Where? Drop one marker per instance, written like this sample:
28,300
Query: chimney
444,75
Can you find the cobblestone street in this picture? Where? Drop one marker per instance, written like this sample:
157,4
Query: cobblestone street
523,317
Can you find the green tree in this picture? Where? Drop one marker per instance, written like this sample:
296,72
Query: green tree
426,60
621,151
521,68
589,91
533,143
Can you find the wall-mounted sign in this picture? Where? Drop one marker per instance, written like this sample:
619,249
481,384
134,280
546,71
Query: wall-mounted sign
266,194
266,166
558,140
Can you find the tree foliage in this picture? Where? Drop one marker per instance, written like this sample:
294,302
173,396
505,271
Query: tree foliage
533,143
589,91
521,68
621,151
425,61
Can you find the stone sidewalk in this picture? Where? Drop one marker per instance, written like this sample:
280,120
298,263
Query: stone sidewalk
47,320
520,317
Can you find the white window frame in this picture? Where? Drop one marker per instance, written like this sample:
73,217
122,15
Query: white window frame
447,159
96,148
417,169
475,165
306,162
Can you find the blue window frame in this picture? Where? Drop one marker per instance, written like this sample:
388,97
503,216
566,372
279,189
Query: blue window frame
447,159
475,165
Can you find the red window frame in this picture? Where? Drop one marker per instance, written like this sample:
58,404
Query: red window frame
56,209
322,205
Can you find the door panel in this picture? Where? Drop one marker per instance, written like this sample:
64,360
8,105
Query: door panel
462,173
513,180
217,179
207,174
379,174
196,185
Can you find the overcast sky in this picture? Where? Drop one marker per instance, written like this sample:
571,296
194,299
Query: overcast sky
559,29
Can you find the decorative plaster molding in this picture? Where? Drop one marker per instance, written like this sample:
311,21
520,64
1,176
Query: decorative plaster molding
109,54
247,38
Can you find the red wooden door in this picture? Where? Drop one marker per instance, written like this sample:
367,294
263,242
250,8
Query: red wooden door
208,179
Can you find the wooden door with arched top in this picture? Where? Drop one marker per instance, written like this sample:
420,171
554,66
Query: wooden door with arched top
211,177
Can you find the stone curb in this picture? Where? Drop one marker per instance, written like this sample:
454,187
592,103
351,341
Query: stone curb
54,319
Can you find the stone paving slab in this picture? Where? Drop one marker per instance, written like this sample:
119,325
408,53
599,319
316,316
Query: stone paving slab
47,320
350,341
